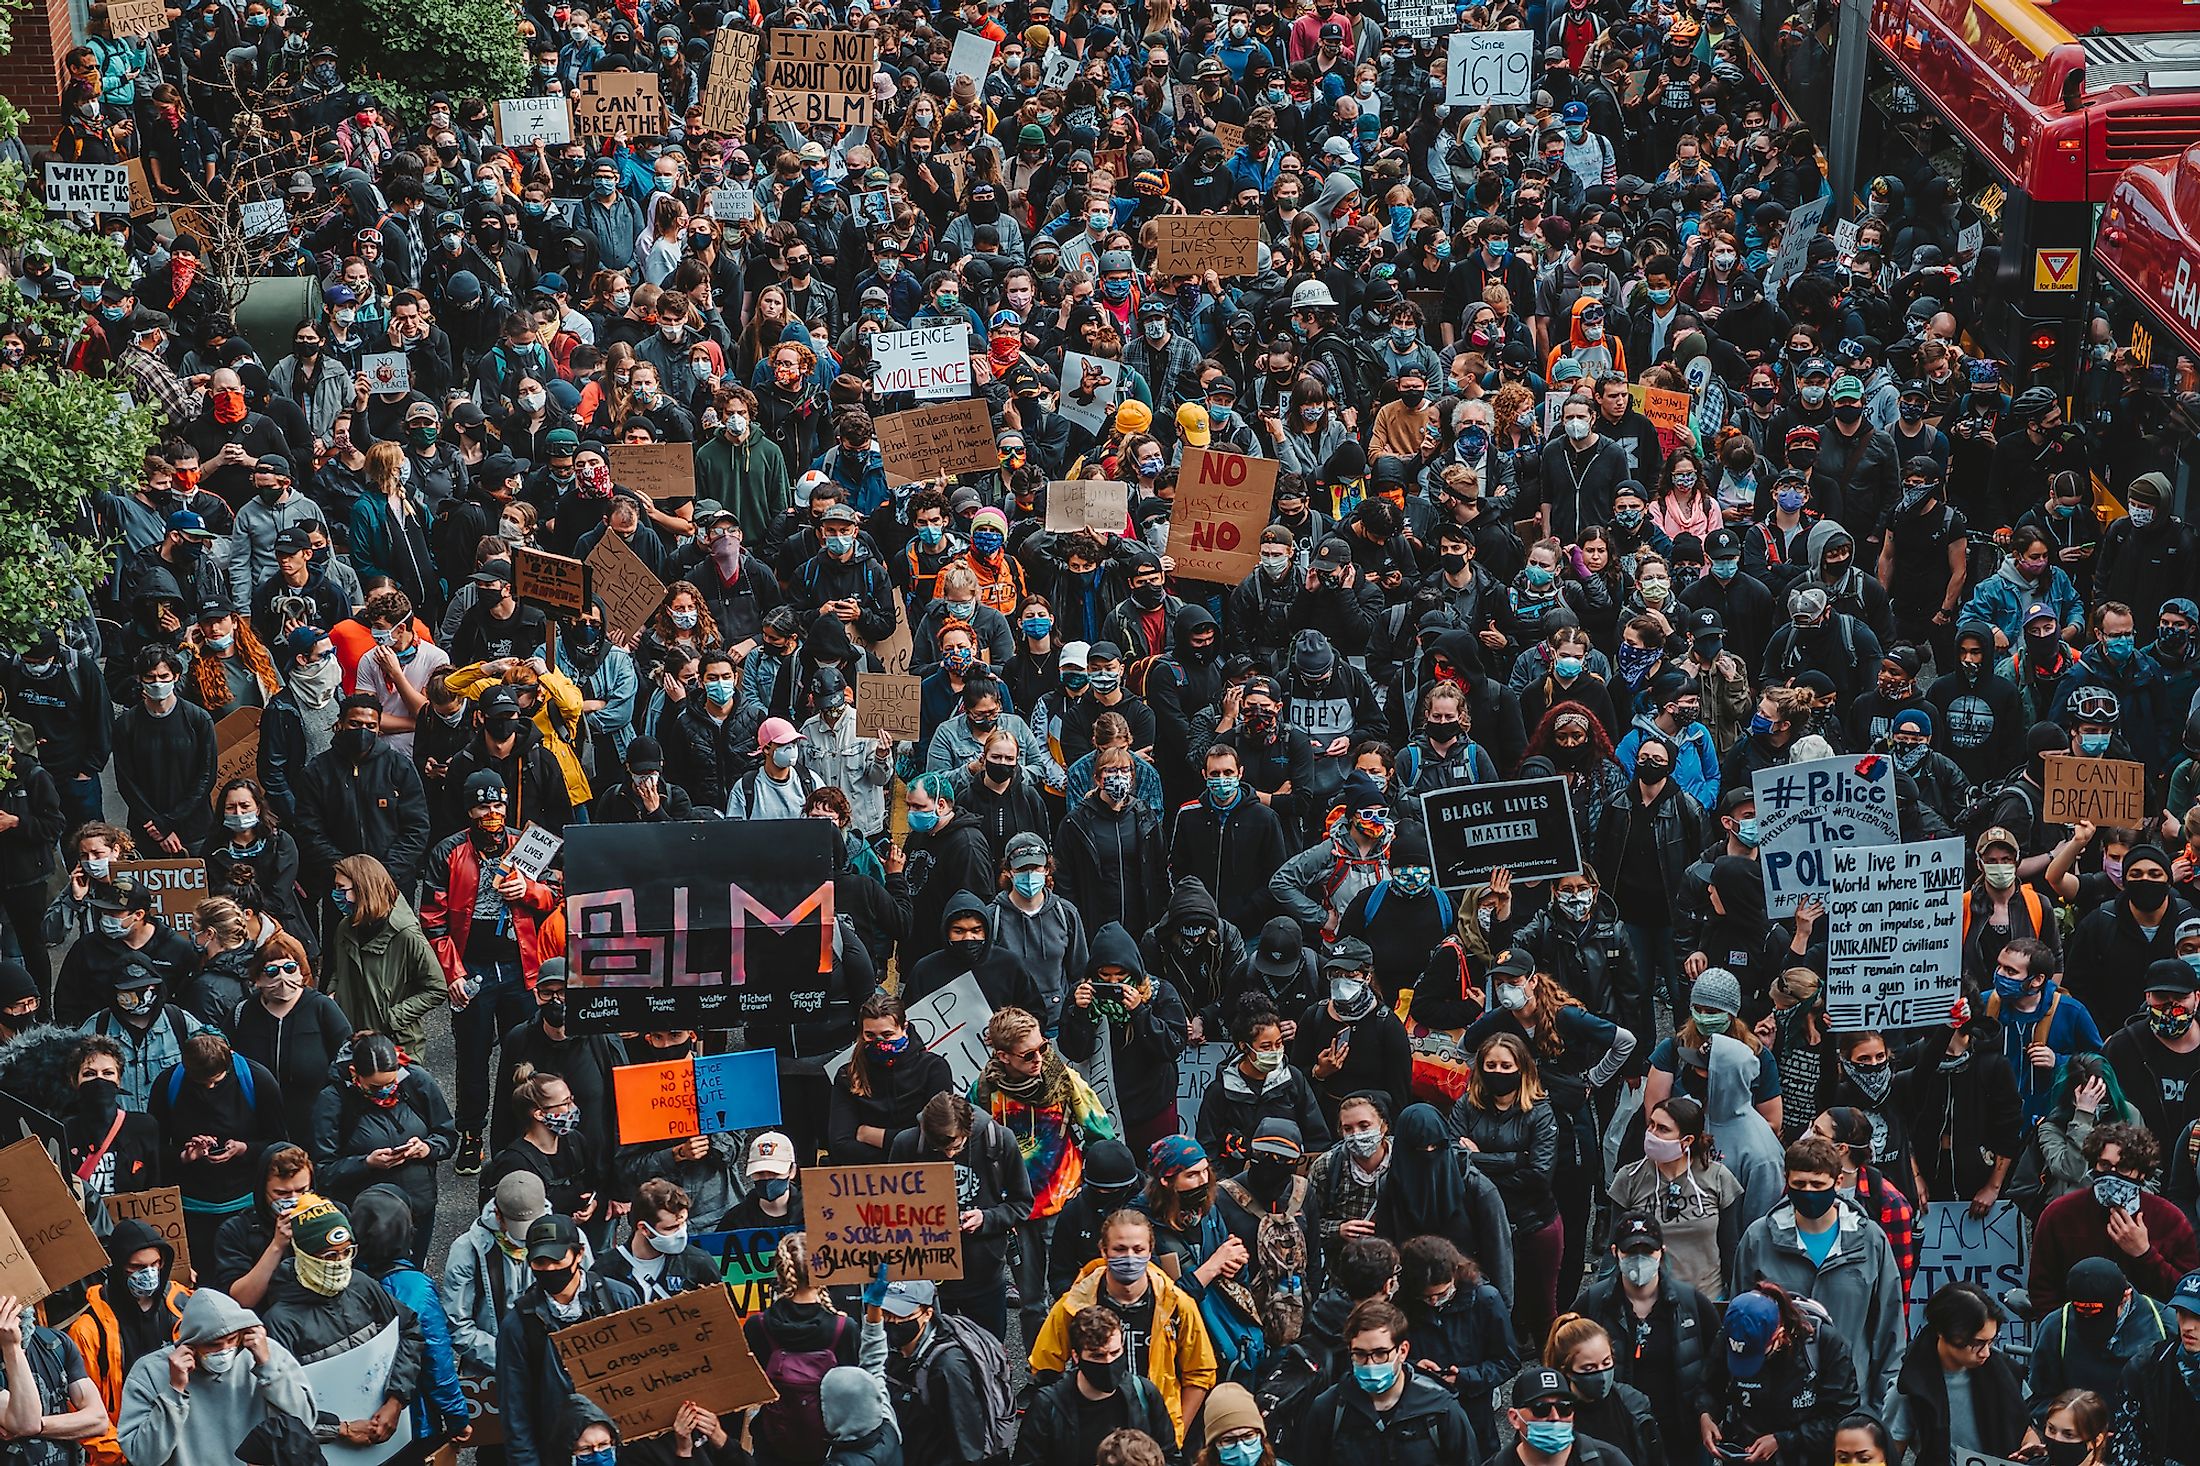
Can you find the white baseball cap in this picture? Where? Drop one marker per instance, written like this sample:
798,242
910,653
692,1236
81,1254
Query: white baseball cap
771,1154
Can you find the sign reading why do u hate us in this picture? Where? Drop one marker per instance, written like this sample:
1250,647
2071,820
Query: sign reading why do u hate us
1223,502
700,925
93,188
906,1216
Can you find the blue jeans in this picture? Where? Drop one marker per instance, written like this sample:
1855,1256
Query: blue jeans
82,800
502,1004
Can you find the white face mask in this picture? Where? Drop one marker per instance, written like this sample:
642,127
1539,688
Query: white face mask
218,1361
531,401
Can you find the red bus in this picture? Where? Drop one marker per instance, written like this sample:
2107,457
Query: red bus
2139,359
2031,113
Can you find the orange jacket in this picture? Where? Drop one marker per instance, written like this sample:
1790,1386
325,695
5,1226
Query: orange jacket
97,1334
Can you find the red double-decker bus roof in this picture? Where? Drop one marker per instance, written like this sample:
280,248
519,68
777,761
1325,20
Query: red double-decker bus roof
2060,99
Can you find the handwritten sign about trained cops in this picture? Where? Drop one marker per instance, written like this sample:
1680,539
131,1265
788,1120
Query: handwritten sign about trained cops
906,1216
931,361
94,188
1223,502
1806,810
1894,938
640,1365
1526,827
1487,67
2111,792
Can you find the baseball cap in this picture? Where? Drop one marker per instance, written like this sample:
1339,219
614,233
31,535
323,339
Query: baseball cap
1517,962
550,1237
2170,975
771,1154
123,893
185,522
1026,851
1751,1321
776,731
1281,948
2187,1294
520,1199
645,756
1277,1137
1537,1383
494,572
1075,654
1637,1232
903,1299
1350,954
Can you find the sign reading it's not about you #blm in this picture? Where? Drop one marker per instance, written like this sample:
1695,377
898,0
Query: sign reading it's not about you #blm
704,924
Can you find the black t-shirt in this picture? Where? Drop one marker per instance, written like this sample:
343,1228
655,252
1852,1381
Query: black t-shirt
1137,1327
1921,559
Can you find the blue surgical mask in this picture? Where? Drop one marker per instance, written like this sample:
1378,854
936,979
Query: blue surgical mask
1568,668
1759,724
2118,647
1240,1453
1375,1378
923,821
1029,883
1222,788
1038,626
1551,1437
1745,831
2093,745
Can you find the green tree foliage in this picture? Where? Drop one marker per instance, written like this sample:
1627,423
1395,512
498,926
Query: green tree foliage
402,50
64,437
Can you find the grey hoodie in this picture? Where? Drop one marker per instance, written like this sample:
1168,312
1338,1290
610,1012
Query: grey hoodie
158,1425
1859,1287
1747,1142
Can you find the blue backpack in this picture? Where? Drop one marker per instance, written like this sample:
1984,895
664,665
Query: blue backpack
239,1065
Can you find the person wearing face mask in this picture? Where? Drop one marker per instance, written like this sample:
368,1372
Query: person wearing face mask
486,1269
2090,1342
2136,684
533,1389
1997,910
130,1312
218,1111
1405,915
1967,1125
1666,1325
1109,856
1384,1408
198,1398
658,1259
149,1030
164,760
1607,1408
2121,941
1819,1248
1258,1088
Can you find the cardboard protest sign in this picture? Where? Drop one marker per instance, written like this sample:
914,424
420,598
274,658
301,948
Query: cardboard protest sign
655,1101
19,1273
608,102
659,472
236,748
263,219
1894,940
161,1209
699,925
931,361
1526,827
45,1214
638,1366
1087,503
748,1258
732,202
557,583
945,438
1483,68
136,17
387,371
1192,244
629,589
1806,809
907,1216
142,201
1992,1252
732,76
1229,134
1089,388
2111,792
814,78
176,886
890,703
524,121
534,851
971,57
737,1091
1223,502
96,188
895,649
950,1023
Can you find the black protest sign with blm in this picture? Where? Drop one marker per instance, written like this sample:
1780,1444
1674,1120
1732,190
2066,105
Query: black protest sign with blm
699,925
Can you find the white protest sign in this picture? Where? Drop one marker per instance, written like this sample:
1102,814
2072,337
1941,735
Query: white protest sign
1845,232
950,1023
95,188
931,361
387,371
1894,939
1099,1072
875,207
349,1386
1970,240
1802,228
972,57
1489,67
1196,1069
1089,388
533,852
1057,69
732,202
263,217
524,121
1993,1252
1806,809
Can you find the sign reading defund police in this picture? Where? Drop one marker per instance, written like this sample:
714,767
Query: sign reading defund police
699,925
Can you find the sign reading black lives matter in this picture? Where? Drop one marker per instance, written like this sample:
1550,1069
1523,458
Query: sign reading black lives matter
1526,827
704,924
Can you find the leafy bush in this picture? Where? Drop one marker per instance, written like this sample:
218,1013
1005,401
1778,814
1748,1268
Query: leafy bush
402,50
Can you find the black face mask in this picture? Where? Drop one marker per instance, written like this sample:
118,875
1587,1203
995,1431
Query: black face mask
553,1012
2146,895
555,1279
902,1332
968,950
1104,1376
353,744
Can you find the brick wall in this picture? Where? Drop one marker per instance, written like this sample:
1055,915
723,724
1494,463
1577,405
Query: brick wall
30,74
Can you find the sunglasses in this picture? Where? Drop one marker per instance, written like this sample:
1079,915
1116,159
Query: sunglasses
280,969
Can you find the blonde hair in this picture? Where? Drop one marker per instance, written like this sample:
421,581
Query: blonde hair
1008,1026
958,576
1569,1331
225,920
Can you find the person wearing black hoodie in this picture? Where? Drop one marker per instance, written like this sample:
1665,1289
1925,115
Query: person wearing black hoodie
1112,1182
966,933
164,761
1178,687
111,1159
1229,842
583,1060
1193,947
887,1081
994,1191
1144,1023
947,854
1978,714
2114,944
130,1312
1493,709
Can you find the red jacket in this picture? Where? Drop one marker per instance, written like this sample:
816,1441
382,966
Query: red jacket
2075,1227
447,907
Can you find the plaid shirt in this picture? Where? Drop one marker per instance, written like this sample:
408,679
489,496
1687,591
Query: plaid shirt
1885,1204
152,381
